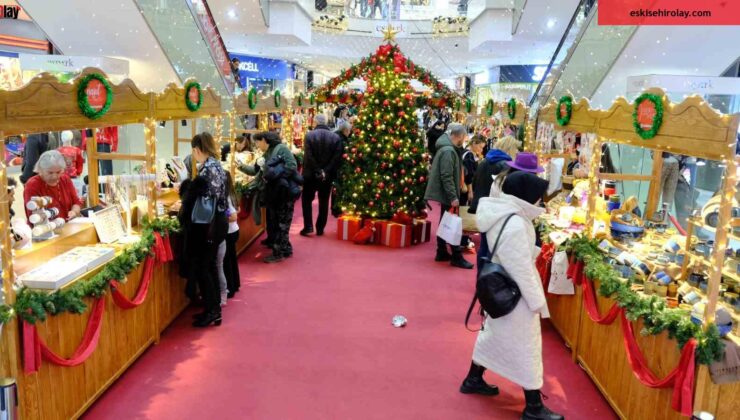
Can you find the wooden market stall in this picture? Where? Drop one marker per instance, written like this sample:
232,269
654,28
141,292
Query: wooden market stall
79,339
588,321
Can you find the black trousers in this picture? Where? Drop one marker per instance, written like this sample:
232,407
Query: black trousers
441,244
231,266
278,227
204,264
311,186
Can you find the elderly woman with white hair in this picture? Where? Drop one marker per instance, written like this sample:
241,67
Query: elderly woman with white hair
52,181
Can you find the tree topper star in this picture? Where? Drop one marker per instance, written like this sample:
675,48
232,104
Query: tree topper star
389,34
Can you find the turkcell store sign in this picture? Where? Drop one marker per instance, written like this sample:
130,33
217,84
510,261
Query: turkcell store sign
263,68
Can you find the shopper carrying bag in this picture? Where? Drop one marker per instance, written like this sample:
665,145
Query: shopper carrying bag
450,227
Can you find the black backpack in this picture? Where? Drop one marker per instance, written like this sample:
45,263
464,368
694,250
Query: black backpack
497,293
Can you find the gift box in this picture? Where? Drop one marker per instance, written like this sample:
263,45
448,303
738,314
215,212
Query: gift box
347,227
422,231
393,235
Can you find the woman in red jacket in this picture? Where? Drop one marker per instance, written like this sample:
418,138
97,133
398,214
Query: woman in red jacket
51,181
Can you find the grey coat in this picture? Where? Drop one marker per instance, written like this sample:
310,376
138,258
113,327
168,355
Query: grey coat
443,185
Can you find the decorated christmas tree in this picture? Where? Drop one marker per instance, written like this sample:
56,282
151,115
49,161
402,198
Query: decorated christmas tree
385,166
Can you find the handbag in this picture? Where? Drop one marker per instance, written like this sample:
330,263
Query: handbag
450,228
497,293
204,210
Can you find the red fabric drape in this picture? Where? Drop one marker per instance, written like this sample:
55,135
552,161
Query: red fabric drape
34,347
544,263
592,309
146,277
575,271
681,378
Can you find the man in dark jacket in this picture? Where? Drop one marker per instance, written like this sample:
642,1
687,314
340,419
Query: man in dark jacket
322,154
36,144
444,187
434,133
344,130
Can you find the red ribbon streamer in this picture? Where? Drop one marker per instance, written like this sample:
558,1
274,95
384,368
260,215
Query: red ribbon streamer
543,263
34,347
146,277
681,378
592,309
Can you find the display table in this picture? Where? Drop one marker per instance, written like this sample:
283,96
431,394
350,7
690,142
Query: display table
63,392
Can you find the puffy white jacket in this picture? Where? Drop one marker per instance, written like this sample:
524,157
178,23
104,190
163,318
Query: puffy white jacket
511,346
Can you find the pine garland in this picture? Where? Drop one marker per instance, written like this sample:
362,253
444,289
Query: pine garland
656,316
84,103
35,305
657,119
192,106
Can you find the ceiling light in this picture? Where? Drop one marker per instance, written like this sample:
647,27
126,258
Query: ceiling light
551,23
231,13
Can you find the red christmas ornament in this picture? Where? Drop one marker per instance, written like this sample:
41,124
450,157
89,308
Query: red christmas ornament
406,189
395,175
345,156
386,102
403,172
381,185
401,114
408,97
377,196
378,68
354,150
422,179
374,60
368,181
370,89
393,204
358,170
400,158
414,150
372,203
383,165
396,144
397,70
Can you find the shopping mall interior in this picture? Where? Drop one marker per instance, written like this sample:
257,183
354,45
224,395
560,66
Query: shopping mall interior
370,209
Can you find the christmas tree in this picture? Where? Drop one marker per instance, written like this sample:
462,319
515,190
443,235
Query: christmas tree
384,165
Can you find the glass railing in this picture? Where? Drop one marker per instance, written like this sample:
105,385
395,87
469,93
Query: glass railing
397,9
179,36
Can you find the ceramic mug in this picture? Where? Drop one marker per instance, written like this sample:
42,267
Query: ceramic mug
661,290
691,298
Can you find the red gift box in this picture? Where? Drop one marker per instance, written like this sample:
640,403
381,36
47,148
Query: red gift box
422,231
347,227
393,235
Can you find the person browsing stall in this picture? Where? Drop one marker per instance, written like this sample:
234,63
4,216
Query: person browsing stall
51,181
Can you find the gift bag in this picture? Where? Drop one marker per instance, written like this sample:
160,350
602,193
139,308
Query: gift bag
559,283
450,228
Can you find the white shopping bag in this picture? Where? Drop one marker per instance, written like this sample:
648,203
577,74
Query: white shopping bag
559,282
450,228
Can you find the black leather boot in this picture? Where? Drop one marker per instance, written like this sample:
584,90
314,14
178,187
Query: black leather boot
535,409
459,261
442,255
474,383
208,319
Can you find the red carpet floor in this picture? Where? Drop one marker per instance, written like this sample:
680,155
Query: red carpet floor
311,338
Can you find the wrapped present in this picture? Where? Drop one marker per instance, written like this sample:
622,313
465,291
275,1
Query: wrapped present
392,234
347,227
422,231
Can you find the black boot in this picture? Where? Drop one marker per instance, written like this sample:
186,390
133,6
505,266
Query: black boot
459,261
442,255
474,383
535,409
208,319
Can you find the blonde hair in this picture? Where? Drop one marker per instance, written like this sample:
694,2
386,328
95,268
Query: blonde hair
508,145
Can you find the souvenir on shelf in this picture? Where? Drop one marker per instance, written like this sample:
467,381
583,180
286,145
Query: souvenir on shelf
44,218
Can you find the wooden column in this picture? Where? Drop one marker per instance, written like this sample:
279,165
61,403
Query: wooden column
11,329
93,190
593,186
175,138
150,136
656,189
232,144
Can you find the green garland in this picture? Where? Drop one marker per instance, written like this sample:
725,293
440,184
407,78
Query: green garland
193,106
511,108
468,105
252,98
35,305
564,120
84,103
657,119
656,316
300,99
276,96
489,107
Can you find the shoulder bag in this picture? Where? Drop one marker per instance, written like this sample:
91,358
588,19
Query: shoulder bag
497,293
204,210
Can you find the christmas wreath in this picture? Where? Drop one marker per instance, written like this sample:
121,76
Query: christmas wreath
300,99
277,98
193,106
252,98
458,105
83,101
657,118
511,108
568,102
312,99
468,105
489,107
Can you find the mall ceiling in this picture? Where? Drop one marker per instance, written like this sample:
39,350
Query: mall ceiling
243,29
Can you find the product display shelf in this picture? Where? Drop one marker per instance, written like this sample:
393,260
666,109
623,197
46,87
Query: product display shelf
691,128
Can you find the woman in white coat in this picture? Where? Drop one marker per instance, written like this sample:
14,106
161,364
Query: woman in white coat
511,346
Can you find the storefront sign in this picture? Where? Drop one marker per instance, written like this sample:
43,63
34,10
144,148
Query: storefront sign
68,63
263,68
399,28
701,85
